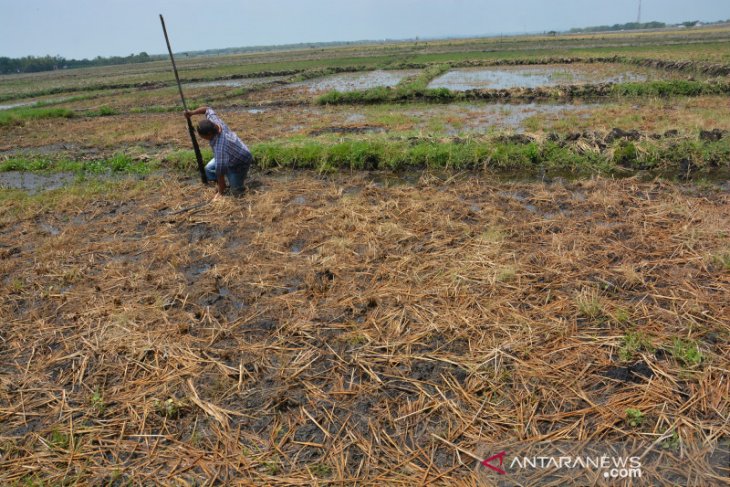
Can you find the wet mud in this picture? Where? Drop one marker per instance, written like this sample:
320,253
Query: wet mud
34,182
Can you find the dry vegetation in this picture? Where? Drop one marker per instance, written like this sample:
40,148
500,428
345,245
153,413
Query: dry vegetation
328,330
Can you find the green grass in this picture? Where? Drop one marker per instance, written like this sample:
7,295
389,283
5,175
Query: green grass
633,343
722,260
157,109
384,154
117,164
170,408
16,116
331,153
320,470
184,160
97,402
686,352
104,111
665,88
59,439
589,305
634,417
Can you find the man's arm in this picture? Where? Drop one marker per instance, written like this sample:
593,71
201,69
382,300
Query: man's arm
197,111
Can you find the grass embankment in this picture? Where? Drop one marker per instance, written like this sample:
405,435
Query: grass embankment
18,115
662,156
15,116
670,88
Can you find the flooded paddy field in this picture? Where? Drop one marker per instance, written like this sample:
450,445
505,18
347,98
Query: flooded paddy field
8,106
541,76
450,274
355,81
236,83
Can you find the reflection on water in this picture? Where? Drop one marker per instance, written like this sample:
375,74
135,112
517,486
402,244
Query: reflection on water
34,182
235,83
356,81
534,77
15,105
473,118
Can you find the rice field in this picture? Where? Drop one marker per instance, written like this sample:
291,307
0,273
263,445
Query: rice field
418,278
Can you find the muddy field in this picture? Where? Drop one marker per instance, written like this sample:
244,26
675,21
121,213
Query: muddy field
370,327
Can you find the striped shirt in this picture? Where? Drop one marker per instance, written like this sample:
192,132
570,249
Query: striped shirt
228,150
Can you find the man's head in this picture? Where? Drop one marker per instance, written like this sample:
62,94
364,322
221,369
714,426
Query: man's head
207,129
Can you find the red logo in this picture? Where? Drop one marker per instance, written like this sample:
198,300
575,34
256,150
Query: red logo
487,463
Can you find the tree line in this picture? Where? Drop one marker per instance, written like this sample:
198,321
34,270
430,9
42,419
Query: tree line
35,64
645,25
627,26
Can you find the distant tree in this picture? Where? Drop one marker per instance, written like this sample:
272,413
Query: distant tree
619,27
32,64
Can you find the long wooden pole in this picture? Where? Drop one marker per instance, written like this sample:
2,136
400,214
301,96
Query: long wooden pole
196,148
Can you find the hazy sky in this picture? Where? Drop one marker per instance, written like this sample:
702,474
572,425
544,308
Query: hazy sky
87,28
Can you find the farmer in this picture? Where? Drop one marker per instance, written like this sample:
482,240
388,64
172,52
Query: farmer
231,157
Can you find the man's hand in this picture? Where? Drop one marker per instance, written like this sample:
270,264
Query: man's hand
197,111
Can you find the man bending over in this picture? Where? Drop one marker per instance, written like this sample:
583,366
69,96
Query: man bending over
231,157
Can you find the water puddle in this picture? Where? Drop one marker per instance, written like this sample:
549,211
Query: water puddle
500,78
235,83
472,118
520,196
356,81
297,246
16,105
356,118
34,183
194,270
49,229
33,103
364,129
394,179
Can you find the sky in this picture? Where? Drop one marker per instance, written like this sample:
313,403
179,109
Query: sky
89,28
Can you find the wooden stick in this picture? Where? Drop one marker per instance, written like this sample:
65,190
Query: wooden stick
196,148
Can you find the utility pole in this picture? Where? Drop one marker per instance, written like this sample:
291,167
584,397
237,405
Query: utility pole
638,17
